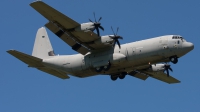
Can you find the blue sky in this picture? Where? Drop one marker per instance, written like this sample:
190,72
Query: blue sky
24,89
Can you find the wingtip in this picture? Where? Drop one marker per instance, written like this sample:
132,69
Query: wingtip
66,77
10,50
175,82
35,2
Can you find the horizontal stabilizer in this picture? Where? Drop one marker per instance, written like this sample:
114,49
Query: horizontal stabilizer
56,73
37,63
30,60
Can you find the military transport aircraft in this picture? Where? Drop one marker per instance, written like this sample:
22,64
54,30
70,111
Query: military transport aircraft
98,54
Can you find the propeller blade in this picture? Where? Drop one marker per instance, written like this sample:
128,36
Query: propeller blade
167,72
90,20
170,69
117,30
114,43
100,19
101,28
94,17
120,37
115,37
118,43
112,30
96,24
97,30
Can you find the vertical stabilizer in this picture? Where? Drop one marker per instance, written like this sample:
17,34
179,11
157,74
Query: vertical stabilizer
42,46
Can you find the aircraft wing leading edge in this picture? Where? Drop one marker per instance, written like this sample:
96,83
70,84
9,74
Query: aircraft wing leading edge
53,15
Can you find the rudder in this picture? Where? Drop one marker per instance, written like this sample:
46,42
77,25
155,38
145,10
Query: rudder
42,46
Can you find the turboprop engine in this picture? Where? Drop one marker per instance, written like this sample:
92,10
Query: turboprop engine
96,25
161,67
110,39
157,67
85,27
105,40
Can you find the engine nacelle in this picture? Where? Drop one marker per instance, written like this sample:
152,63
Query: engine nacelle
105,40
157,67
85,27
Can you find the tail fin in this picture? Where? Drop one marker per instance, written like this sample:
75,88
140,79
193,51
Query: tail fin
42,46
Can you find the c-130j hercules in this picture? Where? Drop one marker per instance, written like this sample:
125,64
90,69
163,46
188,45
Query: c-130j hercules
98,54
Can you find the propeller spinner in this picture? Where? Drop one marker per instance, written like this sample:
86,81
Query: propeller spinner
115,37
97,24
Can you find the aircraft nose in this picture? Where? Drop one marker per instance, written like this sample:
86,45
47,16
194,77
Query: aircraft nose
188,45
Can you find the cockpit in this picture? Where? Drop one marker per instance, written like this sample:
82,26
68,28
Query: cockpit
179,37
179,45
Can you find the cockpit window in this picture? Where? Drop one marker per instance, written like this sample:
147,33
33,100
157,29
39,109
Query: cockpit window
177,37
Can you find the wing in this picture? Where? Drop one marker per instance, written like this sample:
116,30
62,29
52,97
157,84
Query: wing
76,45
142,72
31,61
54,72
62,26
143,75
35,62
53,15
162,77
138,75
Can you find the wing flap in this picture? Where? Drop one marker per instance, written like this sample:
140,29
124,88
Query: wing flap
163,77
57,31
30,60
67,39
138,75
53,15
85,36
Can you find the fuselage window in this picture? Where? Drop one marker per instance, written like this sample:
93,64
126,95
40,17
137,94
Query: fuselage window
178,42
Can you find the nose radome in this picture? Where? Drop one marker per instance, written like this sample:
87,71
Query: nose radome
188,45
191,46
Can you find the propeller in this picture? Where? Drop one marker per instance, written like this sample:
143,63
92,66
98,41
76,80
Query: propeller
97,24
116,37
167,68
